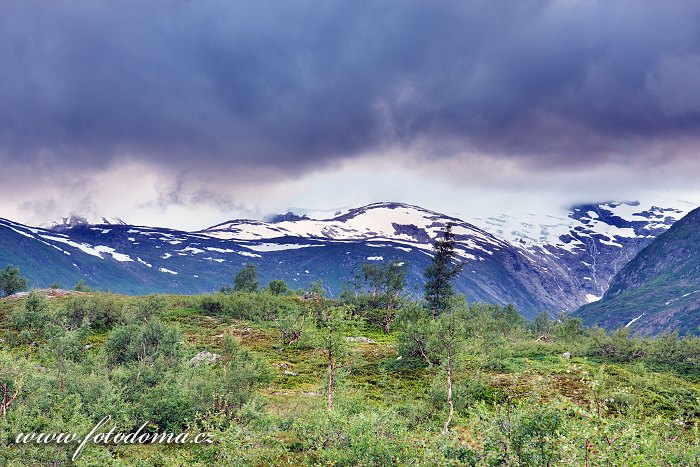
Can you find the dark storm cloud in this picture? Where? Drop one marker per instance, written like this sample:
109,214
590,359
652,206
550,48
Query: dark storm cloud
215,85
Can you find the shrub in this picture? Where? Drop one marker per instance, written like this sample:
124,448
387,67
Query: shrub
278,287
31,321
167,405
534,437
11,282
145,343
76,310
212,304
242,372
567,329
82,287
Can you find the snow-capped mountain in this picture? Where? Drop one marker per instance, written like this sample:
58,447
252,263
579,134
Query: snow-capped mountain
555,265
400,223
593,241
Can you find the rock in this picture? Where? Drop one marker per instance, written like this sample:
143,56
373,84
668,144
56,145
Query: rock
290,373
47,293
361,339
204,357
566,355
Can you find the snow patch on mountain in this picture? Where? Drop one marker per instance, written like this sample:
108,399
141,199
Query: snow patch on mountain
592,298
633,320
111,251
280,246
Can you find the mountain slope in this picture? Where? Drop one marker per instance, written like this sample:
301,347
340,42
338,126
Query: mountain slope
592,242
568,265
659,289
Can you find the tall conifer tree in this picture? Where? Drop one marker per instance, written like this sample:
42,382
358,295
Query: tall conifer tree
439,274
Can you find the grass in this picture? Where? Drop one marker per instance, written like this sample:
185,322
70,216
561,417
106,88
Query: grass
527,377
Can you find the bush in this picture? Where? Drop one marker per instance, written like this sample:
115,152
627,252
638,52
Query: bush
618,346
567,329
212,304
254,306
11,282
104,311
76,311
534,438
167,405
346,439
82,287
149,306
278,287
145,343
31,321
242,372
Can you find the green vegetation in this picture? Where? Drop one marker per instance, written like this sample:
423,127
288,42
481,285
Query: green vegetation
439,274
378,292
11,282
81,286
278,287
247,279
540,393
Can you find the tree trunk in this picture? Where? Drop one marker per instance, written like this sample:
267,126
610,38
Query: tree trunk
388,320
5,402
449,392
331,378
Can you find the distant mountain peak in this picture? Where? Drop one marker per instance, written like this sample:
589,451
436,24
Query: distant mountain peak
288,216
74,220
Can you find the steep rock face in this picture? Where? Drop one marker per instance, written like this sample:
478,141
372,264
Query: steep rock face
659,289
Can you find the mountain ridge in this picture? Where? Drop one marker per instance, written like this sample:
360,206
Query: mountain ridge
589,246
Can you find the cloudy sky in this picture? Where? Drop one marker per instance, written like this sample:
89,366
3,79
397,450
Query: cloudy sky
186,113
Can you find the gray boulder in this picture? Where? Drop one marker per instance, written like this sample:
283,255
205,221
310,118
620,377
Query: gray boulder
204,357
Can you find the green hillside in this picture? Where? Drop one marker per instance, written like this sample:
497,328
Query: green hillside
524,393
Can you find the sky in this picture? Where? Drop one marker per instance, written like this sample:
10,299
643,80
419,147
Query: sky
186,113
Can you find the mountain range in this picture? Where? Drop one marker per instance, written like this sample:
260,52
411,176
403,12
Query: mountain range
538,263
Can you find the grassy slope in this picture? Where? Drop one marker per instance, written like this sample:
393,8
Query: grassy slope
528,371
